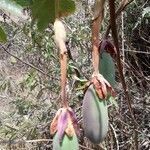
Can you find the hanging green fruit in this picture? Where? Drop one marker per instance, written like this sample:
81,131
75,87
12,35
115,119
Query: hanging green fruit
107,68
67,143
3,37
95,116
64,126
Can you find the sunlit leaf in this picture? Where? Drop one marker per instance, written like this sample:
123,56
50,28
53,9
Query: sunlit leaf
66,7
44,12
23,2
113,101
3,37
146,12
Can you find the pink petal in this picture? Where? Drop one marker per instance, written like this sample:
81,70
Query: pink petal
62,124
74,121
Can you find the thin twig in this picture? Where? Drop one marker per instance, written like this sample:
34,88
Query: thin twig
28,64
115,136
139,52
122,6
119,64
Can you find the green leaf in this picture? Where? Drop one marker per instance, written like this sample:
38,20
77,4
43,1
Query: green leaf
107,68
43,11
146,12
3,37
12,9
23,2
66,7
113,101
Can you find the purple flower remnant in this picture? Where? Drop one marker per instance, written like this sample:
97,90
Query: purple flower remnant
64,122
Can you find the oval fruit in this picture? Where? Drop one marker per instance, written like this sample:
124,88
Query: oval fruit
68,143
107,68
95,116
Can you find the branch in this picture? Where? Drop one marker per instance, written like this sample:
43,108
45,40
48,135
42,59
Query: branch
122,6
119,64
28,64
115,136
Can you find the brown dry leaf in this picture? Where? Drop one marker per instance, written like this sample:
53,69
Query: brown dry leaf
53,126
98,88
70,129
102,86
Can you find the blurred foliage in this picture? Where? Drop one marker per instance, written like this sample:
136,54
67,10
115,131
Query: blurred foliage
3,37
45,12
29,98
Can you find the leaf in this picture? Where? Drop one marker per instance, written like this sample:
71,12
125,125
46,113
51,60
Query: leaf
3,37
23,2
66,7
146,12
107,68
13,10
113,101
43,11
13,60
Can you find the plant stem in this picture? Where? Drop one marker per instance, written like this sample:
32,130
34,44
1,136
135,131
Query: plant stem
115,38
63,66
96,25
122,6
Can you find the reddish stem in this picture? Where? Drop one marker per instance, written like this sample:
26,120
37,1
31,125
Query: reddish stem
96,25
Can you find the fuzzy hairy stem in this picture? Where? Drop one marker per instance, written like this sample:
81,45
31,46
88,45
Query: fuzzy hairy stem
60,40
96,26
63,66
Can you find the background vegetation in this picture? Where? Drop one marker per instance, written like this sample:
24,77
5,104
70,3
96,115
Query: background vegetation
30,73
